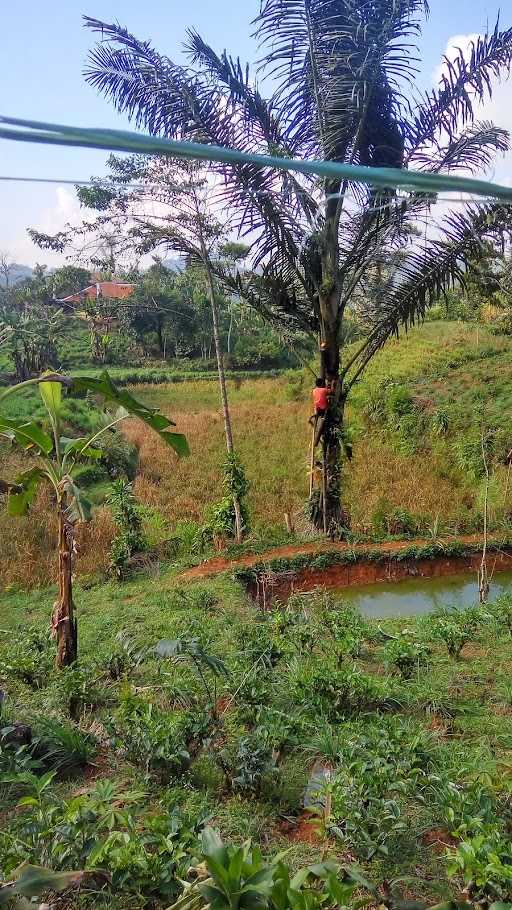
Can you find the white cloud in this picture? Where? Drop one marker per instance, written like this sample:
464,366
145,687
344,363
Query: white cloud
64,210
497,109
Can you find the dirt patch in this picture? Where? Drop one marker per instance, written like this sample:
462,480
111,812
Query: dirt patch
303,830
220,564
439,839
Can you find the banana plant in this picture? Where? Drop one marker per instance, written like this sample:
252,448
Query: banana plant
56,458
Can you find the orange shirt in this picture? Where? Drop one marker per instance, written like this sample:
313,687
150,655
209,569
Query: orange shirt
321,398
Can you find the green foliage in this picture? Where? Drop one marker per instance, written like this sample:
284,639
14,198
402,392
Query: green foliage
483,864
335,693
127,516
208,667
250,764
124,656
221,519
455,627
31,658
240,879
501,611
406,654
62,748
377,769
79,689
104,829
118,456
155,741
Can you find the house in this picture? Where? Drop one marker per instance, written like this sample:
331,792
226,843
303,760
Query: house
101,290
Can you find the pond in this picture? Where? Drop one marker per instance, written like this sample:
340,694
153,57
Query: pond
414,597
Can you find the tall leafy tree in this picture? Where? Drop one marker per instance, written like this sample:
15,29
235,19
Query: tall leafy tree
159,203
342,74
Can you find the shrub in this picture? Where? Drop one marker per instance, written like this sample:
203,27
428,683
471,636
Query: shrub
221,517
405,654
119,456
88,474
455,627
484,863
501,611
334,693
32,658
250,764
127,516
124,656
146,855
62,748
377,769
150,738
77,688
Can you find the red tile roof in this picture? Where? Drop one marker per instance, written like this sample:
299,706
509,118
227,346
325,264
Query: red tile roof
113,290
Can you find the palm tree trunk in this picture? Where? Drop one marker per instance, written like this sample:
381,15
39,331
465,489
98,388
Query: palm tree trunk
64,626
325,504
223,390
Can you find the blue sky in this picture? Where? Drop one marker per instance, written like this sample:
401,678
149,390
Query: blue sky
43,52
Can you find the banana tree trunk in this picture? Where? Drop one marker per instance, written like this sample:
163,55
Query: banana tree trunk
64,627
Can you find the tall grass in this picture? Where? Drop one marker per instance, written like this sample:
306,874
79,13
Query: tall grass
272,437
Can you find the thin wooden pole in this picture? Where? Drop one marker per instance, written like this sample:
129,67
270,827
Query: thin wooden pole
324,488
312,459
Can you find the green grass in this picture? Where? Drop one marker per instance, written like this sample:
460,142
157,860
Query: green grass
456,713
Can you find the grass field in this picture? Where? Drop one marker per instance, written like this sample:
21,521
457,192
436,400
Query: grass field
405,474
139,748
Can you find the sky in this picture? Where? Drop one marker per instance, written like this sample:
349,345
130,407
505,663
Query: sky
45,47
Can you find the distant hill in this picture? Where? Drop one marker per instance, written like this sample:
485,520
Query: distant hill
17,273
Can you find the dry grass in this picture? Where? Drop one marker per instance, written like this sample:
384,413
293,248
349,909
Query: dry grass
272,438
27,555
413,482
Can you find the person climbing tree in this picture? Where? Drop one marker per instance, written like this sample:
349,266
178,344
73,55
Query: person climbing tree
321,404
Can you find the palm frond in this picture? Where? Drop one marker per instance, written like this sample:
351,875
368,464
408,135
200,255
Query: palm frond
426,273
334,60
472,150
467,82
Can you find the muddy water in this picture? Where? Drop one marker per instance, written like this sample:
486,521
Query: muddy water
414,597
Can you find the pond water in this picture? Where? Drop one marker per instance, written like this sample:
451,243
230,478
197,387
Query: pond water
416,596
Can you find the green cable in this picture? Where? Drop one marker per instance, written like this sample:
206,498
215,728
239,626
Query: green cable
126,141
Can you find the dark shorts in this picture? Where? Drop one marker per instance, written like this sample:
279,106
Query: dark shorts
320,412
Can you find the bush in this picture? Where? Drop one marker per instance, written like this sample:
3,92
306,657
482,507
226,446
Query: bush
130,538
455,627
221,516
78,690
146,855
62,748
32,658
250,764
88,474
124,656
405,654
377,770
119,456
334,693
150,738
484,864
501,611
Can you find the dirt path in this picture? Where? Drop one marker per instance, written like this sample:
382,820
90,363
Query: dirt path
220,564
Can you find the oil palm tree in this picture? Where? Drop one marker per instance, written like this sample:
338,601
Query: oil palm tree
341,75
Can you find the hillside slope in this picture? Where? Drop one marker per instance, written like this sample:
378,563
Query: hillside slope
417,466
